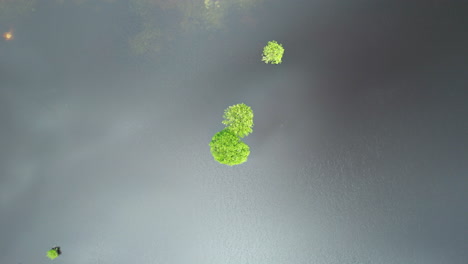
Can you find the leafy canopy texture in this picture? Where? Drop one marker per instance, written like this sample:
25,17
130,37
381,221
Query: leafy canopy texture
273,52
228,149
52,254
239,119
226,146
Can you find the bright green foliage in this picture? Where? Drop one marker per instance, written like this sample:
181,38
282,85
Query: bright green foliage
239,119
226,145
228,149
52,254
273,52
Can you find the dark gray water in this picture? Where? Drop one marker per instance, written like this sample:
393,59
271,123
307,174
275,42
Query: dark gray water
358,155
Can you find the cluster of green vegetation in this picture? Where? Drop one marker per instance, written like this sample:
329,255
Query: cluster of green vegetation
226,146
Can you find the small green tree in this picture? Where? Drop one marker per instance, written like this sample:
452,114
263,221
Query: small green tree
53,253
273,52
228,149
239,119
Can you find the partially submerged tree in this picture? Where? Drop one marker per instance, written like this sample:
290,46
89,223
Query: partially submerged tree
226,146
228,149
54,252
273,52
239,119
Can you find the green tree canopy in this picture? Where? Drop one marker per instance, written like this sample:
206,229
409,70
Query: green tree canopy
273,52
52,254
228,149
239,119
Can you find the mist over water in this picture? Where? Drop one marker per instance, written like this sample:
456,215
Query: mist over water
358,153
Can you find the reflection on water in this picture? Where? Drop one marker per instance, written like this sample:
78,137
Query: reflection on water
156,25
107,108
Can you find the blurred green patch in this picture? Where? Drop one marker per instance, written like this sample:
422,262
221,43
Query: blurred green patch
148,42
162,21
